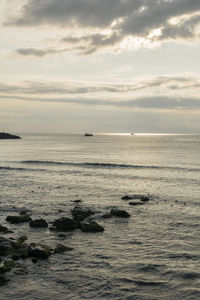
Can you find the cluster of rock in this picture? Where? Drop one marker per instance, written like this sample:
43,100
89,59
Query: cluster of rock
5,135
11,250
137,199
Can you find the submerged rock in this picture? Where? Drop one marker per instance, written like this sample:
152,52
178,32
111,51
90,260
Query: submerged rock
65,224
3,279
91,227
119,213
38,223
7,266
18,219
42,251
61,249
80,214
145,199
6,246
3,229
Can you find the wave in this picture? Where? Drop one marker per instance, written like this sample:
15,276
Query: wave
107,165
19,169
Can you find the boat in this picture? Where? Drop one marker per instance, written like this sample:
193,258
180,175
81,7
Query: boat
88,134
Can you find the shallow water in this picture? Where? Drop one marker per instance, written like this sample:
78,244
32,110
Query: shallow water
152,255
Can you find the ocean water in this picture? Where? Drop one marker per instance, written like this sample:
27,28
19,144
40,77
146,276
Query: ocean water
154,254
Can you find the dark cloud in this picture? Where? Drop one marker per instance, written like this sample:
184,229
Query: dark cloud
123,18
37,52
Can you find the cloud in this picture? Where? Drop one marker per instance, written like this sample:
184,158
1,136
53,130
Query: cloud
107,23
163,83
143,94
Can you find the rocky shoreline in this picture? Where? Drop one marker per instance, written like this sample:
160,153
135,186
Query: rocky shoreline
13,251
5,136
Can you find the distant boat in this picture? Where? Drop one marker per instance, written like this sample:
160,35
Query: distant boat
88,134
132,133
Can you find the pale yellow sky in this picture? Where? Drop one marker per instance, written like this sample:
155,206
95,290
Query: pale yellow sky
113,66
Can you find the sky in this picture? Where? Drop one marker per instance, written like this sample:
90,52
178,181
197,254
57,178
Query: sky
74,66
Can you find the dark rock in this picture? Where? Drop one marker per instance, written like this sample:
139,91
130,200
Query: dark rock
5,135
52,228
7,266
144,199
6,246
91,227
38,223
61,249
21,252
42,251
126,197
80,214
119,213
61,235
21,240
65,224
3,229
3,279
34,260
77,201
18,219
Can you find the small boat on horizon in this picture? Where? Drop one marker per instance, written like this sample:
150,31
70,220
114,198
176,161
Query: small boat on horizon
88,134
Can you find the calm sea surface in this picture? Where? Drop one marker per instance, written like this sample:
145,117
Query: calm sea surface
155,254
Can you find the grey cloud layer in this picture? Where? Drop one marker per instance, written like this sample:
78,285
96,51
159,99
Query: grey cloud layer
123,18
55,88
112,94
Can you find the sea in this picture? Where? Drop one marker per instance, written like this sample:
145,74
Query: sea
154,254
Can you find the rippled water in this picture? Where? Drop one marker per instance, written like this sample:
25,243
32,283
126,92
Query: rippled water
154,254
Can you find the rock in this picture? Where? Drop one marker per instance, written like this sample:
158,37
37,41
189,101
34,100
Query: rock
38,223
135,196
7,266
80,214
119,213
61,235
3,229
126,197
21,252
52,228
65,224
18,219
6,246
61,249
34,260
3,279
42,251
5,135
91,227
144,199
77,201
21,240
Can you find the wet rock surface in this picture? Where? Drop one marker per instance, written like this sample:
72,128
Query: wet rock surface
38,223
119,213
65,224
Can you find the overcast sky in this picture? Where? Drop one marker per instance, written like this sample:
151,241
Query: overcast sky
100,66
